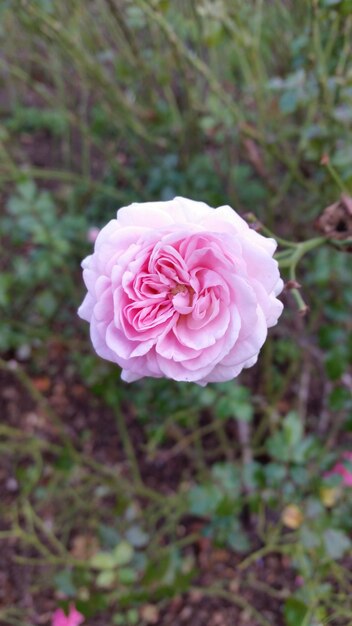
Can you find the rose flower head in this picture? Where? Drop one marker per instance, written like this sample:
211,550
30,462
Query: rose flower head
343,468
180,290
74,617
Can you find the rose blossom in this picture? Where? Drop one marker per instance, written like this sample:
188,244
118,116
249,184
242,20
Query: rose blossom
74,618
180,290
343,470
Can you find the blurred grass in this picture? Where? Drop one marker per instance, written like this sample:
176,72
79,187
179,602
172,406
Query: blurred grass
210,85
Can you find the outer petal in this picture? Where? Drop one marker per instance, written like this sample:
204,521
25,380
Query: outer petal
85,311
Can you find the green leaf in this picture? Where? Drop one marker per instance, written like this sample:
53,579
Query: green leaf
5,285
109,536
46,303
289,101
203,500
336,543
339,398
293,430
227,476
27,190
238,540
103,560
295,612
156,571
330,3
127,575
106,578
309,538
137,537
64,582
123,553
275,473
335,364
236,402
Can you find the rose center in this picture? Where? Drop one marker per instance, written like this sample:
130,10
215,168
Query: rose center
179,289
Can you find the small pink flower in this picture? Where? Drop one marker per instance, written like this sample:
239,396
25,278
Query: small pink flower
342,470
92,234
74,618
180,290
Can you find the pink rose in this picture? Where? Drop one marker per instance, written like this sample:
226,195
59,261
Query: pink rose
180,290
342,470
74,618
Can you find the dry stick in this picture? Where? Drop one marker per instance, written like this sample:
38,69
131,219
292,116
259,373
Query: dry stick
190,438
280,594
318,358
244,435
200,453
30,514
234,598
127,33
303,392
226,445
120,483
33,540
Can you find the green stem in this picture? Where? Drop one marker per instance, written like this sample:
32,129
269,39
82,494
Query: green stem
292,259
128,445
300,250
336,177
268,549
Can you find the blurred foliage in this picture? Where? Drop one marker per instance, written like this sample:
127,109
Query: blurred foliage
107,102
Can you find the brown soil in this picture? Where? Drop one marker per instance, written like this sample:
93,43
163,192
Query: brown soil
78,409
